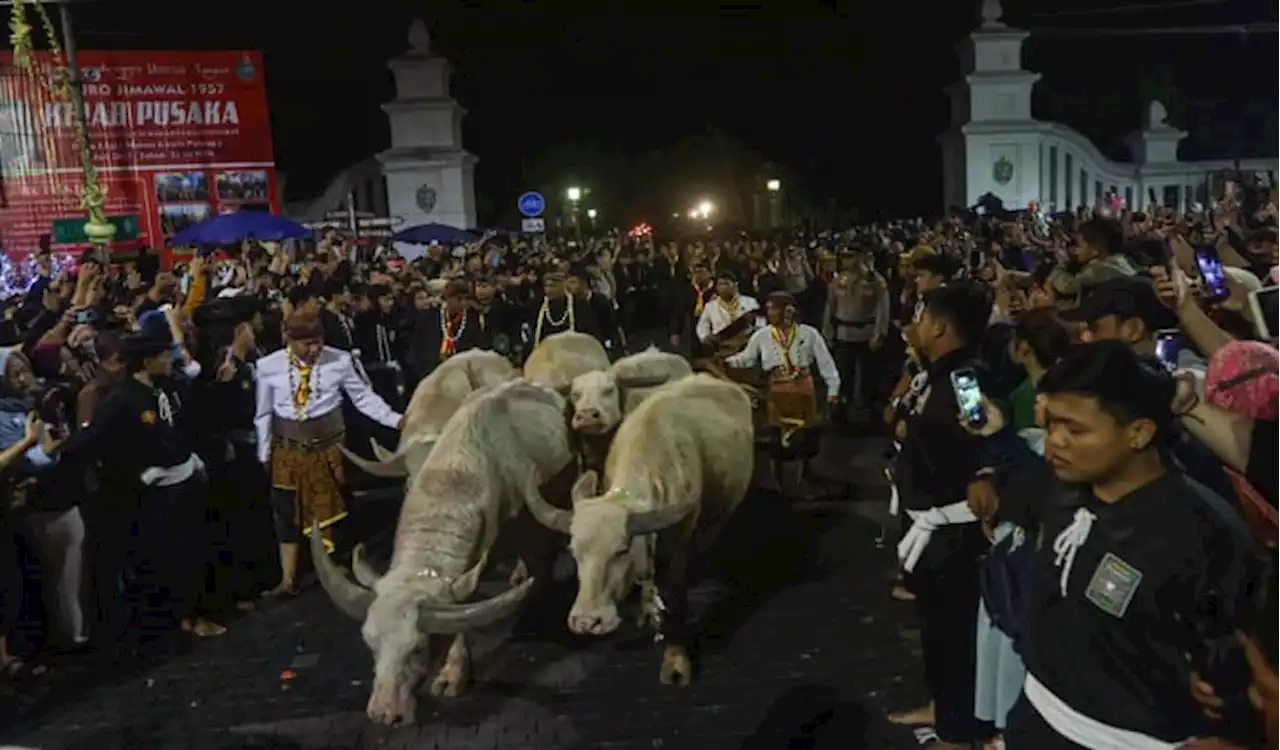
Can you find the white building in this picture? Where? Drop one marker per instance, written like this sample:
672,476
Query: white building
426,176
995,144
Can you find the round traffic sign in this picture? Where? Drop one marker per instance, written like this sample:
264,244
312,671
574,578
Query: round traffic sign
532,204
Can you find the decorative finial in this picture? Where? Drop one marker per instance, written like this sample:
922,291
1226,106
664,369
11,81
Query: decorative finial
1156,116
992,12
419,38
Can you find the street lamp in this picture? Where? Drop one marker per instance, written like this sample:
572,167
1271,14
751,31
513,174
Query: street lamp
775,202
592,214
68,88
574,194
705,208
773,185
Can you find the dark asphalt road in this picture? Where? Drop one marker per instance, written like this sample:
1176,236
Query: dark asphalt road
801,647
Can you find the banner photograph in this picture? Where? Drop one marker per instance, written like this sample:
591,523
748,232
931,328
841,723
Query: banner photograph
177,136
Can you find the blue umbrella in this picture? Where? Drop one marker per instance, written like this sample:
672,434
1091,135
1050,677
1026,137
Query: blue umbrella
425,234
231,229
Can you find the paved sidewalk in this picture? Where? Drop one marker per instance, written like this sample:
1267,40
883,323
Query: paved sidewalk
814,658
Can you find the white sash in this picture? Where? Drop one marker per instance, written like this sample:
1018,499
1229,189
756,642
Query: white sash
1083,730
924,522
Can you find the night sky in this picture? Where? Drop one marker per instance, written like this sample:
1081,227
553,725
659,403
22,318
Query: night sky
845,97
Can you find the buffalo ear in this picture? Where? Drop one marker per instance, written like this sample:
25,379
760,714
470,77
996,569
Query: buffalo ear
586,486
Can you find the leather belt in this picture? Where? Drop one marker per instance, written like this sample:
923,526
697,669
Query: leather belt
309,432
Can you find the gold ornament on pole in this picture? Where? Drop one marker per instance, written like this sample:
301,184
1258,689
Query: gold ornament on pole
63,81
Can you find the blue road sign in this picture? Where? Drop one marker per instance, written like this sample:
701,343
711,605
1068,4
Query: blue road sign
532,204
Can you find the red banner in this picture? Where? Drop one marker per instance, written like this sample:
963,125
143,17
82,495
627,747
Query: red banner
177,137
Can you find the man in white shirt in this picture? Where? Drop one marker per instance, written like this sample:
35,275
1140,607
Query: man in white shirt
727,320
300,430
788,352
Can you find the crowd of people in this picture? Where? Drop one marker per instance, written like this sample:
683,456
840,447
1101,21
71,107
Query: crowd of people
1083,412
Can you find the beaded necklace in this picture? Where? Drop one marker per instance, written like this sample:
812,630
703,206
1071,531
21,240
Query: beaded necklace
544,314
450,332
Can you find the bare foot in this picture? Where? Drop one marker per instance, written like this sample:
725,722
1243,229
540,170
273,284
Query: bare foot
202,627
922,715
677,667
902,593
286,588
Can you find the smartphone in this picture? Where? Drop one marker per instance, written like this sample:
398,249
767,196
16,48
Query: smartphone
87,316
1211,270
975,259
1262,304
1168,344
969,396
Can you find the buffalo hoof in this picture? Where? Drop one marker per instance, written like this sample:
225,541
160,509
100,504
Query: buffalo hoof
452,680
519,574
677,667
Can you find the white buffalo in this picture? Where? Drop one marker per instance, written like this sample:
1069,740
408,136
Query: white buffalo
434,402
561,357
678,468
600,398
490,460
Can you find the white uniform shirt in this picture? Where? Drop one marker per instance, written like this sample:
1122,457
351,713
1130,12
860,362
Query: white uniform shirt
333,374
807,350
716,317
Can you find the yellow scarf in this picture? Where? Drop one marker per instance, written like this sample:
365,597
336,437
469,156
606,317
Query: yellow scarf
302,392
730,309
784,342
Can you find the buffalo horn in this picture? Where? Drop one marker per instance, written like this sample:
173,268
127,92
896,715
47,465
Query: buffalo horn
450,619
556,519
380,453
653,521
394,468
639,381
365,574
352,599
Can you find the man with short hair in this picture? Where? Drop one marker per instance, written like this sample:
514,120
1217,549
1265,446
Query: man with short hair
1097,257
1139,575
935,472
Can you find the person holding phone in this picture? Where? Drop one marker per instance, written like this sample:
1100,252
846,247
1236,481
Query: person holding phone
936,472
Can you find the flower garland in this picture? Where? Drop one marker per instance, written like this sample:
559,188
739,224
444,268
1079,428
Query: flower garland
450,333
300,385
544,313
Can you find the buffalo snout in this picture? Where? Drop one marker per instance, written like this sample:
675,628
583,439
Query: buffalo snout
594,620
392,704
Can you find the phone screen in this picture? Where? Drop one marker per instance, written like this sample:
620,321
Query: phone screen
969,396
1168,344
1211,270
975,259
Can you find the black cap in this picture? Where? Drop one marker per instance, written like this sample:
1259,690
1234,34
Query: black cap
781,298
727,275
1127,298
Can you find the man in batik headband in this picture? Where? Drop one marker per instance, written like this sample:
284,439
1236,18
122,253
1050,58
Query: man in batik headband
300,428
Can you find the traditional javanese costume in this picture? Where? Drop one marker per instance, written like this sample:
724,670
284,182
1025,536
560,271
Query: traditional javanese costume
300,427
787,354
723,328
